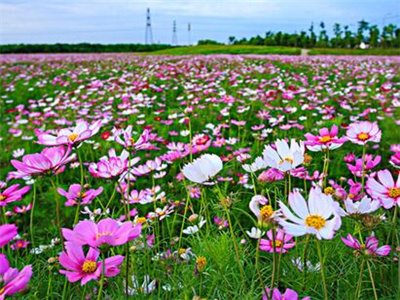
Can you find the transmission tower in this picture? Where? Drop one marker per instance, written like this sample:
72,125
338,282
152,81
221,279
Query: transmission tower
174,36
149,32
189,33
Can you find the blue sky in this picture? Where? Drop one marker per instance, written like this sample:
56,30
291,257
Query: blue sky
123,21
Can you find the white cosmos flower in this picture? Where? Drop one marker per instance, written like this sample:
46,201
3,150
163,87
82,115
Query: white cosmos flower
18,152
258,164
255,233
365,206
319,216
284,158
203,169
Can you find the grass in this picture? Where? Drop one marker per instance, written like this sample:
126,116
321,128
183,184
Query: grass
376,51
227,49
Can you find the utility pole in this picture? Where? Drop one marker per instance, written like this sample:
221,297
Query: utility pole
174,36
149,32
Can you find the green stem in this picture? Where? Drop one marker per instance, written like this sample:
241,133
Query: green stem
103,268
32,214
57,210
359,283
322,269
371,276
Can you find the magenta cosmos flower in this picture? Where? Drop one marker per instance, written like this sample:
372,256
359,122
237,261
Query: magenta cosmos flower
112,166
87,267
125,138
11,280
277,295
74,194
362,132
369,248
82,131
324,140
12,194
7,233
283,242
386,190
50,160
107,231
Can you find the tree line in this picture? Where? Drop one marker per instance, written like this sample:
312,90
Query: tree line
80,48
343,37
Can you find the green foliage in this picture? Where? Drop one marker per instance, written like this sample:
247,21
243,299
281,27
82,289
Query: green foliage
79,48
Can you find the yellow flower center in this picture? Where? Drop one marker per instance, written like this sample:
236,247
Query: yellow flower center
325,139
394,192
288,159
132,140
2,197
2,291
182,251
72,137
105,233
266,211
363,136
329,190
161,213
82,195
315,221
89,266
141,220
201,263
351,196
278,244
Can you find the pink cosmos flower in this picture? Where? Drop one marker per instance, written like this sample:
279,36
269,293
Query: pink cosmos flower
87,267
395,160
82,131
112,166
287,295
20,244
7,233
369,248
74,194
271,175
11,280
363,132
125,138
369,163
51,159
325,139
107,231
386,190
12,194
318,216
283,242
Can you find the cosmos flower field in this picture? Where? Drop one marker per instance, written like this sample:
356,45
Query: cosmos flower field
202,177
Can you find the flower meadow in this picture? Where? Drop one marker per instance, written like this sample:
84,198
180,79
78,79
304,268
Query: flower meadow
202,177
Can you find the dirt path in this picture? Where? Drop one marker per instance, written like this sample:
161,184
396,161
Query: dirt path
304,52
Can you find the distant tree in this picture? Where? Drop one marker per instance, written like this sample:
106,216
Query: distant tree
208,42
231,40
362,26
373,36
337,40
323,36
313,37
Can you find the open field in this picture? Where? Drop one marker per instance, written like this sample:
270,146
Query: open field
225,49
376,51
201,177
